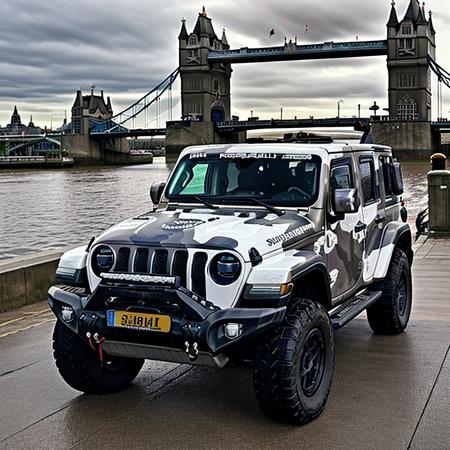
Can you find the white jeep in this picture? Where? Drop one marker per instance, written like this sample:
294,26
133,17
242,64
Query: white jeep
251,252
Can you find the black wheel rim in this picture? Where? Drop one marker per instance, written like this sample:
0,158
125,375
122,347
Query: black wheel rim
402,294
312,362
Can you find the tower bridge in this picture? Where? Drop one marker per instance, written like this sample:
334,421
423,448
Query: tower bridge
205,69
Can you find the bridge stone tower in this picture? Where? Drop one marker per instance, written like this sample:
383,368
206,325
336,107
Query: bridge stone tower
410,42
205,91
205,88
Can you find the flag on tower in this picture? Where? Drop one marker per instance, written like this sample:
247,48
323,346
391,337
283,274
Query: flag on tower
271,32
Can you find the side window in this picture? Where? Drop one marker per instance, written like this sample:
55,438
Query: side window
385,163
341,177
368,185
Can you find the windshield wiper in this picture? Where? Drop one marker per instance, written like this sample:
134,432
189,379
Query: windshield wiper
235,200
205,202
271,208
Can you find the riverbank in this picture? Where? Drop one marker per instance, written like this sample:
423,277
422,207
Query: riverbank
16,162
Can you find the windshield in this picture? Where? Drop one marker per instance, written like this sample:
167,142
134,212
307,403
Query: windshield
277,179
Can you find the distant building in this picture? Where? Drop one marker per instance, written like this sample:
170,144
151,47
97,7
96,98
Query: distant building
16,127
88,111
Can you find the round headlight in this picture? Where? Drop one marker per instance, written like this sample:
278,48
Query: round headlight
225,268
102,259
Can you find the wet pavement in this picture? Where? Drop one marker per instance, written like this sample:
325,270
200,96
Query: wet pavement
389,392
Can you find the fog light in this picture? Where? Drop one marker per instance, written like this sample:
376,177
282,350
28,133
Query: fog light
233,330
67,313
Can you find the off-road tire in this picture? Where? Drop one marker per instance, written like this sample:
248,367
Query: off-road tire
81,369
390,314
279,387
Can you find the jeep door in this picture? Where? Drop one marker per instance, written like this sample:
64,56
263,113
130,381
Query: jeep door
373,209
344,235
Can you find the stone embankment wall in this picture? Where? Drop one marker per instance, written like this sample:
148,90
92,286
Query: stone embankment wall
26,279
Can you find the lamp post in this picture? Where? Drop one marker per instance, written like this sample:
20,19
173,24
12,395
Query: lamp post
359,111
281,112
339,108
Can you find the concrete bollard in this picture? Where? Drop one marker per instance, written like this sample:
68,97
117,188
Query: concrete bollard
438,161
439,201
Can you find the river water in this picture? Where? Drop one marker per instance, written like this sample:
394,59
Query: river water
56,209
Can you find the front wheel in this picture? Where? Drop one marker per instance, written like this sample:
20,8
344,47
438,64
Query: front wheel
293,368
81,369
390,314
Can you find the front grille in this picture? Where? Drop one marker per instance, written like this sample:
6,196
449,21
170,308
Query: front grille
179,266
160,262
198,273
165,262
141,260
123,258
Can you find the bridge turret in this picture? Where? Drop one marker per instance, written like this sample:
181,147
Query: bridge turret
183,36
393,22
205,87
410,42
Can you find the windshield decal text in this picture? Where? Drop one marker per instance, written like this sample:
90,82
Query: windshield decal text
248,155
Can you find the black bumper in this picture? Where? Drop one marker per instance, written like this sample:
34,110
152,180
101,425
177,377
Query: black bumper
193,320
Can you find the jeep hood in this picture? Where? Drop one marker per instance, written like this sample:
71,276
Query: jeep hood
223,229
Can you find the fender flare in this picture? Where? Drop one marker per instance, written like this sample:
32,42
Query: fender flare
396,234
315,272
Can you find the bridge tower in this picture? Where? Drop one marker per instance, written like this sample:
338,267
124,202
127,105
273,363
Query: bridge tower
205,88
410,42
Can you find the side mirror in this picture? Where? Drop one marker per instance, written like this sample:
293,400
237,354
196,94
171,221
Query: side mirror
396,178
156,190
345,201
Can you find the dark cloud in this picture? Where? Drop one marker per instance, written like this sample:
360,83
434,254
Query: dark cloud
49,49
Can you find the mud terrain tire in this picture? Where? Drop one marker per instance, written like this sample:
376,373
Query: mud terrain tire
293,368
80,366
390,314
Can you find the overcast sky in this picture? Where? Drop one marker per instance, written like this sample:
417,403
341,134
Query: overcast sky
48,49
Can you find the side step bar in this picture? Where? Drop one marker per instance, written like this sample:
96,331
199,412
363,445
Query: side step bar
353,307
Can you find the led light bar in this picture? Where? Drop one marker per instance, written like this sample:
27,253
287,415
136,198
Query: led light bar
139,278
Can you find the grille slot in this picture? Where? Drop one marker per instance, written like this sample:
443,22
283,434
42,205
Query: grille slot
160,262
198,273
179,266
123,258
141,260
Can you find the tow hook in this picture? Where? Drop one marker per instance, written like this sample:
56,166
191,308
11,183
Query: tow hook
96,340
191,332
192,350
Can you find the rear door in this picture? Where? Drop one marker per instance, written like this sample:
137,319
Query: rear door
374,216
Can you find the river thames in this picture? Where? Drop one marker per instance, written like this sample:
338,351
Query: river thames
57,209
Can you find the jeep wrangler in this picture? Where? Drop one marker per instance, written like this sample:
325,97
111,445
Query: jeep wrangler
251,253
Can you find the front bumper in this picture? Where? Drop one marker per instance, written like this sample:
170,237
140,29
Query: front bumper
197,333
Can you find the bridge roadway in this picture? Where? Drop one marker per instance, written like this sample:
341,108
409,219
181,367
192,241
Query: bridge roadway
291,51
388,392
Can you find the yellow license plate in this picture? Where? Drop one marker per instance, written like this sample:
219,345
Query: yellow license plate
138,321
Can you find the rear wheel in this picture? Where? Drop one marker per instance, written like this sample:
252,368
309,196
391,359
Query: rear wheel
293,368
81,369
390,314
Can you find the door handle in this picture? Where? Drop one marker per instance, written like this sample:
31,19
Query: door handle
380,219
360,227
